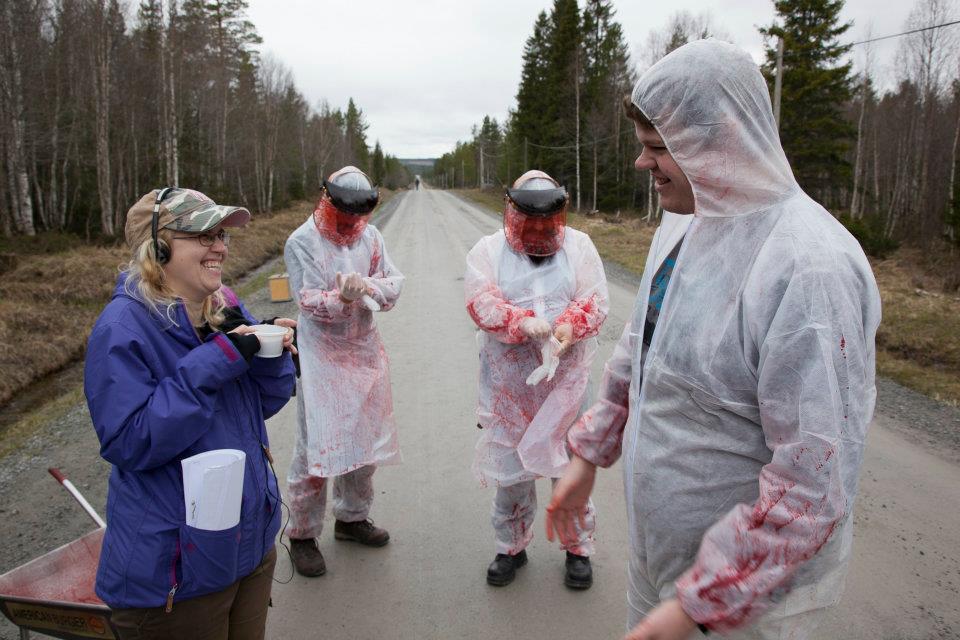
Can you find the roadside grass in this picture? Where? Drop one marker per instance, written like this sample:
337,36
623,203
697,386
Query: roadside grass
20,430
919,338
918,343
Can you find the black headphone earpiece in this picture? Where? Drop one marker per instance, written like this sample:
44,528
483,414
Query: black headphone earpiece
160,249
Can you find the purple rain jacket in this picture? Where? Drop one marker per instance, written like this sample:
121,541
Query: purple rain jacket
157,395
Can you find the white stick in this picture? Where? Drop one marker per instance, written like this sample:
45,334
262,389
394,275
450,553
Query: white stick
62,479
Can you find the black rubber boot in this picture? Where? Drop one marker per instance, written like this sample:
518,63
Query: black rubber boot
579,572
503,569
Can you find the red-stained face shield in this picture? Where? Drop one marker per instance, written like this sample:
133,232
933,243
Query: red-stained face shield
536,229
337,226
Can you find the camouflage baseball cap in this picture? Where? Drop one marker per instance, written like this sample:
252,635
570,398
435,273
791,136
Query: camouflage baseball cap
183,210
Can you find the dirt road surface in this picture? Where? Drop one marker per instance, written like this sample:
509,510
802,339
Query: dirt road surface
429,581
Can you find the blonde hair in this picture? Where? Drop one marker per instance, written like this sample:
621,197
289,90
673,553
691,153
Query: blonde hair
145,281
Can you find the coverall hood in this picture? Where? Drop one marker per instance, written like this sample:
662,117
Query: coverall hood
710,104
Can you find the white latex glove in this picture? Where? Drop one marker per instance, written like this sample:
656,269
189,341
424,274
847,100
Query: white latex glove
370,303
351,286
535,328
551,358
367,297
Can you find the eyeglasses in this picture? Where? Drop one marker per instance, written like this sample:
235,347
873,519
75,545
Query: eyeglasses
208,239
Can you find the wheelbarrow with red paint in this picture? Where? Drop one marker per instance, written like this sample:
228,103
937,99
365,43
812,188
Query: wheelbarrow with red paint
53,594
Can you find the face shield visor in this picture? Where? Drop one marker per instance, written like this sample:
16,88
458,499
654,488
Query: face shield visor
345,206
535,218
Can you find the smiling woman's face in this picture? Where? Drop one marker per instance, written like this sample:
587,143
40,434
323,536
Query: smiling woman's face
194,271
676,194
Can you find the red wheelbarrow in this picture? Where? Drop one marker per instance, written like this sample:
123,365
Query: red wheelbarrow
53,594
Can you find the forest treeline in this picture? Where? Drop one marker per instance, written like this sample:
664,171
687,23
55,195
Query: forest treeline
884,160
102,100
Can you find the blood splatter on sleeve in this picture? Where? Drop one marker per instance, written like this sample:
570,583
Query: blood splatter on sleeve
321,304
598,434
590,305
485,302
384,280
811,359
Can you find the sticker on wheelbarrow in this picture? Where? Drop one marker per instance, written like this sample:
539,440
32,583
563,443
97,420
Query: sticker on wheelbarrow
78,624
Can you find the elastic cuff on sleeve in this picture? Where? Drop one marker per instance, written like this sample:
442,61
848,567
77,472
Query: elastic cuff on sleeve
247,344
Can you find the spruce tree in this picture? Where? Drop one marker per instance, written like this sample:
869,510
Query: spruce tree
816,86
379,171
565,72
356,133
528,122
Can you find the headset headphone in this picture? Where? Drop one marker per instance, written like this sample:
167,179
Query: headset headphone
160,250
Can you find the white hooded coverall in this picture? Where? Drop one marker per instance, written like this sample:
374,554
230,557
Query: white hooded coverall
345,409
742,429
525,427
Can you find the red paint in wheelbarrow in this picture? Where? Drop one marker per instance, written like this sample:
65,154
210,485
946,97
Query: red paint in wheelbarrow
54,595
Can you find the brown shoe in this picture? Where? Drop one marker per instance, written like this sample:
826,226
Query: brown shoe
307,559
363,532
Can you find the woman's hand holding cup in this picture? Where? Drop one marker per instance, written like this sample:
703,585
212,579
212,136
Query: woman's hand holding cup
289,324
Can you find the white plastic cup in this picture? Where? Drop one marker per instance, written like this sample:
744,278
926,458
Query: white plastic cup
271,339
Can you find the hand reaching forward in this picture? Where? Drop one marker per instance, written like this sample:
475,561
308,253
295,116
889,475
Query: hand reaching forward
569,502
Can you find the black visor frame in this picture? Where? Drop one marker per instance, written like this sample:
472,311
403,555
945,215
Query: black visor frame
538,202
357,202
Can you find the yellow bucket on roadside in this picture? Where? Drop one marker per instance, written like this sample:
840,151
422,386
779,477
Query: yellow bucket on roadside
280,288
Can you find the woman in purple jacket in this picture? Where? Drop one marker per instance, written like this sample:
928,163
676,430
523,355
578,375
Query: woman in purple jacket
170,372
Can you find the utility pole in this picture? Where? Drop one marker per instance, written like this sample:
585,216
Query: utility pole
778,82
526,165
463,173
577,93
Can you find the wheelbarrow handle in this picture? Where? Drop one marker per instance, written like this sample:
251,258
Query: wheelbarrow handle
62,479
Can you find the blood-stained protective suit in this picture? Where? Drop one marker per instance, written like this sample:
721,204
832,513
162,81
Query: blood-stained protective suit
345,406
524,426
742,425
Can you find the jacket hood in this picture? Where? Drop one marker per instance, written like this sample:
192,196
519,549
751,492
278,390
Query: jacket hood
710,104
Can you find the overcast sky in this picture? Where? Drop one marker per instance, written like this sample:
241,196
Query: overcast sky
425,71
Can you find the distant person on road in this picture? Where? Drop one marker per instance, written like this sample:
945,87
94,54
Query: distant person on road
171,372
340,274
416,183
742,388
535,288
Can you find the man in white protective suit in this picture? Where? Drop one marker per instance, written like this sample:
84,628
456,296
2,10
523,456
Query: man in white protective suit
741,390
340,274
537,291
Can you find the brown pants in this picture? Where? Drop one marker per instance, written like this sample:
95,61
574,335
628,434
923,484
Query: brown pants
239,612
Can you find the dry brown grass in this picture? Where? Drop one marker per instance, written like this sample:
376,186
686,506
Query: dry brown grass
918,344
919,338
48,302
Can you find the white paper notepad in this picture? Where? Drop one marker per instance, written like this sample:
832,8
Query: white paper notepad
213,488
